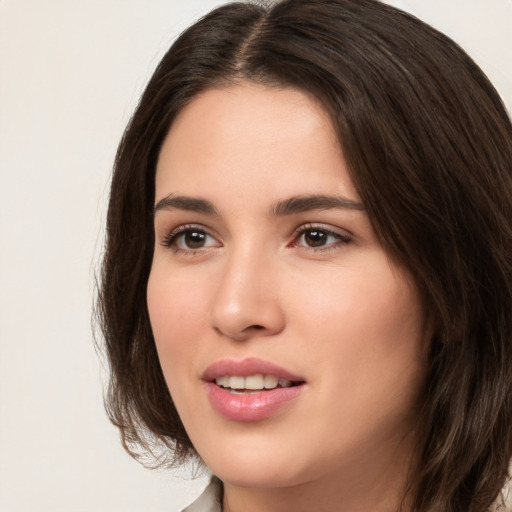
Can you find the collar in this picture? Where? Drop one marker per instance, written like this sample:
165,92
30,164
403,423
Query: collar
210,500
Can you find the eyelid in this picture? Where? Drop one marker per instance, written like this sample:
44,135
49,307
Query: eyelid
344,236
324,227
169,239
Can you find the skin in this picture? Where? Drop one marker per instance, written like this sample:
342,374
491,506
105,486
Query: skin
341,314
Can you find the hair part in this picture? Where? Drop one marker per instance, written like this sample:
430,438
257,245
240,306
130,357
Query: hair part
429,146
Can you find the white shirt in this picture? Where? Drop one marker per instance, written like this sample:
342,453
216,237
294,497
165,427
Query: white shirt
211,499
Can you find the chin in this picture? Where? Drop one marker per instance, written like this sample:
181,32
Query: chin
263,476
259,466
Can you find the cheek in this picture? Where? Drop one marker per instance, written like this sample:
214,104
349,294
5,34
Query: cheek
363,330
371,303
362,339
178,311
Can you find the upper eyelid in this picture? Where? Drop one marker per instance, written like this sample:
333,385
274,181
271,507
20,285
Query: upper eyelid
323,227
172,234
344,237
303,227
188,227
171,240
181,228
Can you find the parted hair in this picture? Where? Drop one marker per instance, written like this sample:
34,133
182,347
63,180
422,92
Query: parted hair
428,144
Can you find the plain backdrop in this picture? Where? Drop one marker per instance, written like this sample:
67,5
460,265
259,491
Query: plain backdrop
71,72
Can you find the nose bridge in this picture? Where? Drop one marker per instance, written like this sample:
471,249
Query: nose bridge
246,302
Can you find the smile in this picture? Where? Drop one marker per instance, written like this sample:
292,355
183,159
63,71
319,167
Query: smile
250,389
251,383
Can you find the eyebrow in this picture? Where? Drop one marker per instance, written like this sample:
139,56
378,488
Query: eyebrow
293,205
192,204
301,204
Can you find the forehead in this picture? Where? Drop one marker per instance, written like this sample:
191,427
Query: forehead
253,136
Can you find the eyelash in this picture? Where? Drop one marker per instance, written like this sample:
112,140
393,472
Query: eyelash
342,239
171,240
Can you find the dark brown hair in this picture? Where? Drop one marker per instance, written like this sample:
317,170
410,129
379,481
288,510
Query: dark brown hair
429,147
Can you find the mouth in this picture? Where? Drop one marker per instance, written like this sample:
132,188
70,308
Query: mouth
253,384
251,389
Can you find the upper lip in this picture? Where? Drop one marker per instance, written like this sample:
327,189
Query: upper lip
246,367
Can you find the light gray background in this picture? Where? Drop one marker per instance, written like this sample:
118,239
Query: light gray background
71,72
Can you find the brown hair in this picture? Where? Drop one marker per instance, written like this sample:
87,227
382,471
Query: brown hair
429,146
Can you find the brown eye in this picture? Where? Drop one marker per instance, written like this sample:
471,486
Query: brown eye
315,238
194,239
190,239
311,237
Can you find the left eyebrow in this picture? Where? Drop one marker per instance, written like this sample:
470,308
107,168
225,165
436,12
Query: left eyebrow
301,204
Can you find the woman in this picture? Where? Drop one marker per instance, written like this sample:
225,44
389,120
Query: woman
307,282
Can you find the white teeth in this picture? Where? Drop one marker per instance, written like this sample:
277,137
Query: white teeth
270,382
222,381
252,382
236,382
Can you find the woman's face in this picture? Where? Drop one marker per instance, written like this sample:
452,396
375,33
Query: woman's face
266,273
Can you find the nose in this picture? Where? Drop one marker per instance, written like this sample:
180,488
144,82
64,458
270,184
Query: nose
246,304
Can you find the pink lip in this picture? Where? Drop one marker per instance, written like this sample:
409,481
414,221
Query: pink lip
249,407
246,367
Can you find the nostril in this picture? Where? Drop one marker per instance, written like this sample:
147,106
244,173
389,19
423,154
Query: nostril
256,327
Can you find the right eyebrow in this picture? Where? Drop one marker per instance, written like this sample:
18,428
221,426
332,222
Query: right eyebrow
172,202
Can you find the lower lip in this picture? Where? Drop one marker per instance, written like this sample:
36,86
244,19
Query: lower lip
250,407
